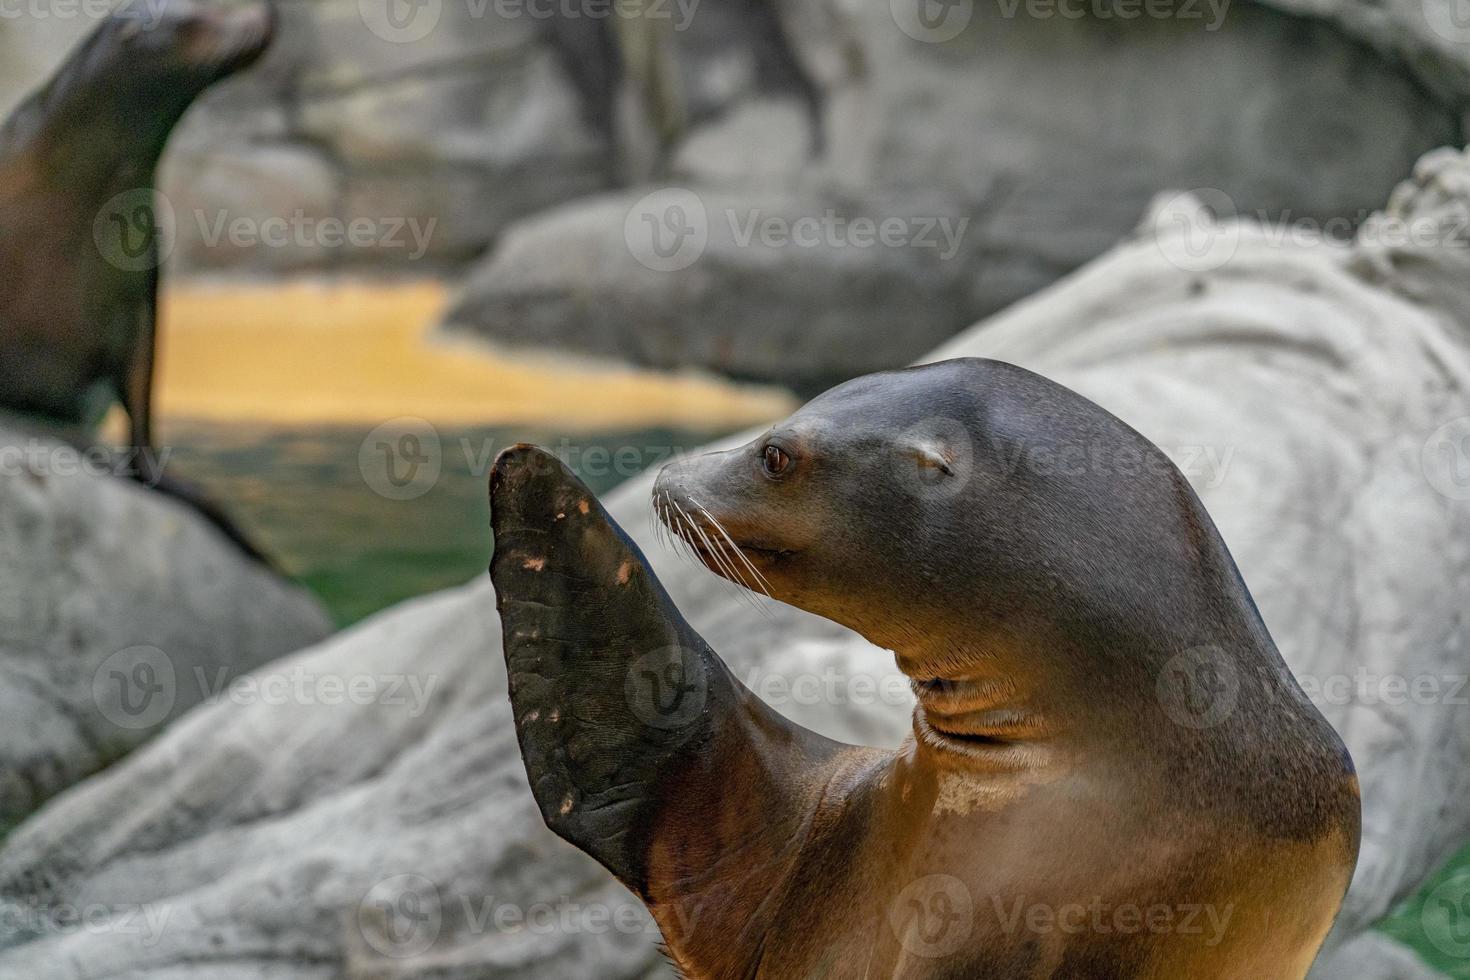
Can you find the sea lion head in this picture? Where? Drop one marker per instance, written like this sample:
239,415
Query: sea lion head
962,511
128,84
188,43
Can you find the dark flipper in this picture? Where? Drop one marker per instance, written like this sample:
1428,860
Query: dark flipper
610,687
149,473
642,749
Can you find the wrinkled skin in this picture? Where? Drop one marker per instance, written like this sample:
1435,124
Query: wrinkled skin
78,236
1112,773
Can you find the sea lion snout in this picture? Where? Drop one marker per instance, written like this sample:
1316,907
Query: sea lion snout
191,38
738,528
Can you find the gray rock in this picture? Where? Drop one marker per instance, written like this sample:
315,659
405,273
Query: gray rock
1046,173
392,835
798,287
119,610
1374,956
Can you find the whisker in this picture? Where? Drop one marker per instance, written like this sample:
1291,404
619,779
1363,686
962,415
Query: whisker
765,586
732,576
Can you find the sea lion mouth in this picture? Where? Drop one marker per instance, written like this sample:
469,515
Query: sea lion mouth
233,39
974,713
728,556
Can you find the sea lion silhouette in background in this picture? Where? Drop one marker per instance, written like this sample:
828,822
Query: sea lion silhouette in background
632,55
1112,773
78,238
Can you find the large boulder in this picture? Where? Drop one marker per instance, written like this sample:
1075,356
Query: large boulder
800,286
120,609
1035,139
1046,128
1316,408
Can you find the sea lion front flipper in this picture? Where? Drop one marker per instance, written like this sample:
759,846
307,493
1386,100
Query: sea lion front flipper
135,384
641,748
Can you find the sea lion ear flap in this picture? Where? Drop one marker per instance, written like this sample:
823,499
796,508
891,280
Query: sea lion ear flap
932,455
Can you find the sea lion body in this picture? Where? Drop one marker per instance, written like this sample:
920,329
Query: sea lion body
78,238
1112,773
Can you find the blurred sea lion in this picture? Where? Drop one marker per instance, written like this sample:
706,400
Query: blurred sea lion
1112,773
79,240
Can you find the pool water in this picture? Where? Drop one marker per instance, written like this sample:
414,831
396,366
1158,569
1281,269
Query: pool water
313,497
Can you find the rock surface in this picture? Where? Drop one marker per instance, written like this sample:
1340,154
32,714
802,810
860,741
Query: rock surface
1316,408
119,611
1048,130
1034,179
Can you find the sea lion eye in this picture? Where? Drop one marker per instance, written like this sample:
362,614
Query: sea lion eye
775,460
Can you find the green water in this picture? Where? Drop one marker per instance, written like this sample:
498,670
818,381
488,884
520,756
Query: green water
314,499
309,499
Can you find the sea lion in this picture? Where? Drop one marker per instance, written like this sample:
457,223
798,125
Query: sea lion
78,236
1111,773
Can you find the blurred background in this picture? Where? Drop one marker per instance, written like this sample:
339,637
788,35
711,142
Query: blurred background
421,230
408,197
